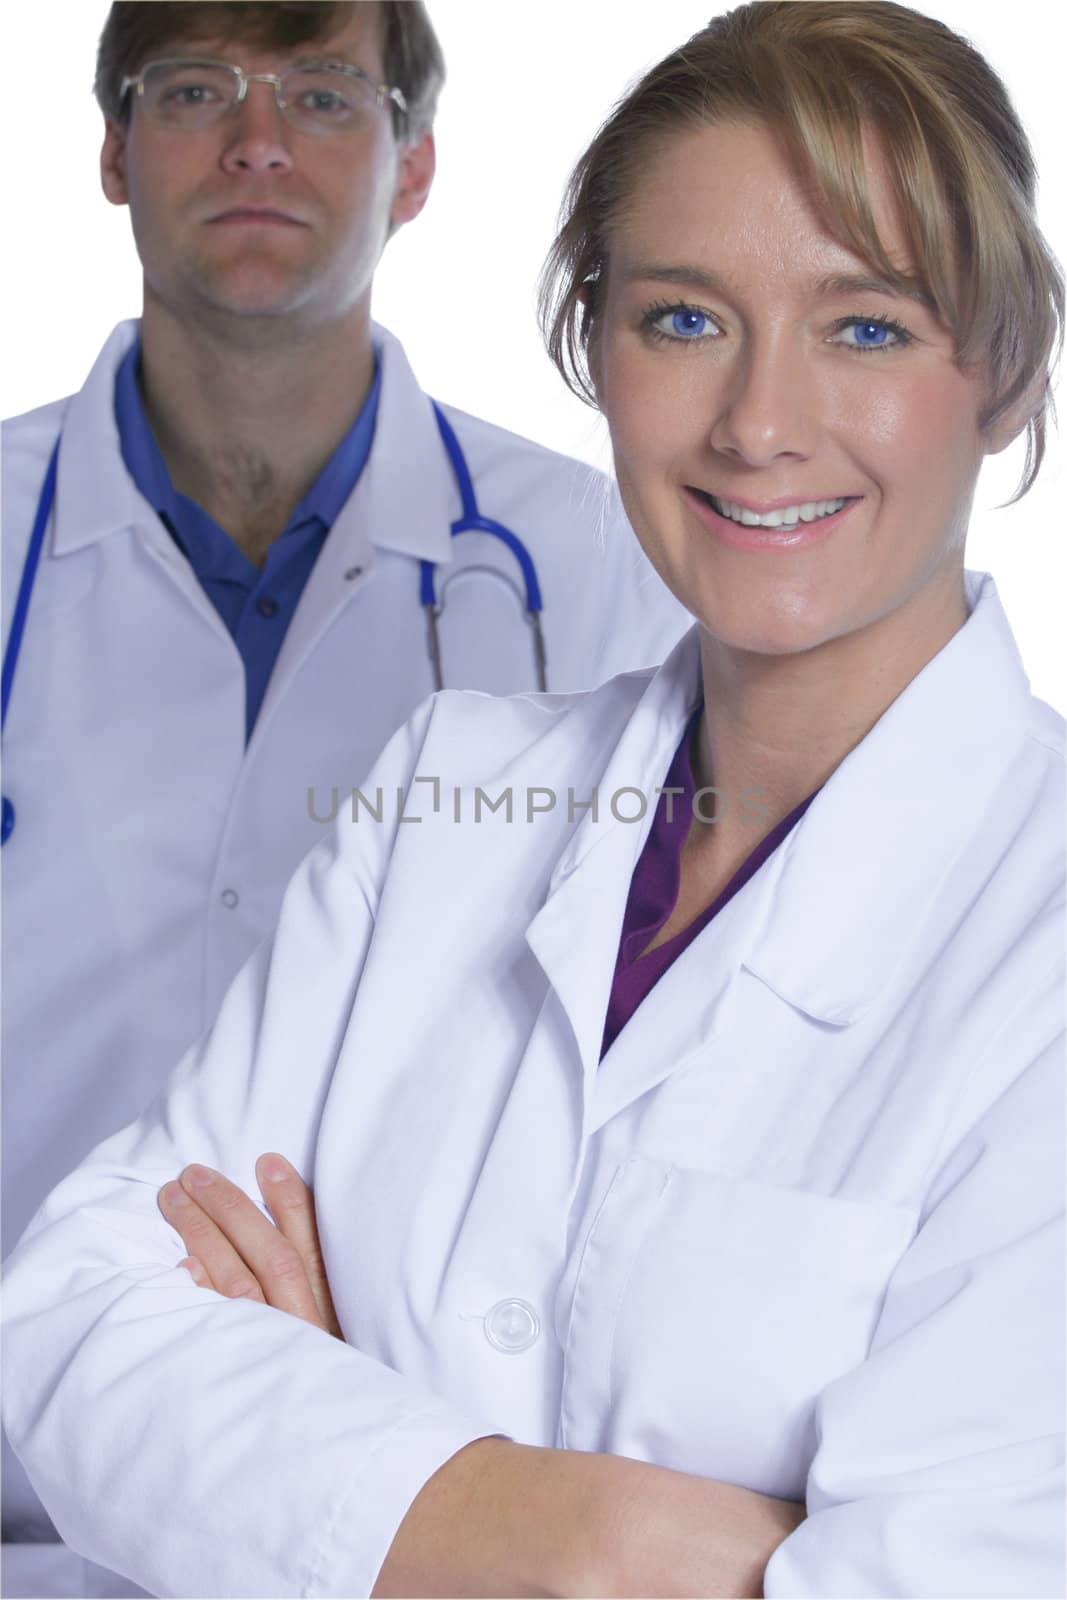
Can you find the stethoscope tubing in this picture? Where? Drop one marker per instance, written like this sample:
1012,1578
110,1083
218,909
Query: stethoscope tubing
19,615
29,575
470,521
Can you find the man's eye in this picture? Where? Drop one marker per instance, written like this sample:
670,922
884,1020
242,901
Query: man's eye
325,100
189,94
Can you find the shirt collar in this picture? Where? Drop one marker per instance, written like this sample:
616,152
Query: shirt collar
146,466
96,497
137,443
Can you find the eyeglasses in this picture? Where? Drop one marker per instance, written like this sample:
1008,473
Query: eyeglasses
193,94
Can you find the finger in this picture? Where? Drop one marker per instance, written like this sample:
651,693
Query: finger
292,1206
228,1273
274,1262
197,1272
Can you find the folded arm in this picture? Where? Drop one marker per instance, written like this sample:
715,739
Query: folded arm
496,1518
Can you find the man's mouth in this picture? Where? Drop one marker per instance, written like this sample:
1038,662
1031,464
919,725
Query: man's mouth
257,214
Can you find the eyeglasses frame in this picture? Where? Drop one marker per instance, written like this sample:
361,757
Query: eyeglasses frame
384,92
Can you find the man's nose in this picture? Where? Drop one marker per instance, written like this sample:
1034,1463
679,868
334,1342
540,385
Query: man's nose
255,132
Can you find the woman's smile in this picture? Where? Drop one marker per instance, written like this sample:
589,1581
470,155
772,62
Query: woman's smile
788,524
783,397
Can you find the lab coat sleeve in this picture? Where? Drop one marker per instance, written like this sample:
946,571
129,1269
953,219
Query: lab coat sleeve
939,1465
198,1445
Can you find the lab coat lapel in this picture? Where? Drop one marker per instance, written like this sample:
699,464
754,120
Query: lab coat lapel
827,919
96,497
405,501
575,935
691,1006
868,860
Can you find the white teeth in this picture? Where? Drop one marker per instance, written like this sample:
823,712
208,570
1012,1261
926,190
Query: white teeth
784,517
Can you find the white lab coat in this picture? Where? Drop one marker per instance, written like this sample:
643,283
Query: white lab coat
797,1231
151,849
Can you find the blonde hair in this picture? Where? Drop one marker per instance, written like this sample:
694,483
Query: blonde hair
822,73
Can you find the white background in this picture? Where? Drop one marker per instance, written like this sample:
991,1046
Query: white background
528,84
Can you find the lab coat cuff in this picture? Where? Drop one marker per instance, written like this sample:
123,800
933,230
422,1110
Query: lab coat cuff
370,1512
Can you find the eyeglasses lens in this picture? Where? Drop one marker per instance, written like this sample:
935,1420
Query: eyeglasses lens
192,95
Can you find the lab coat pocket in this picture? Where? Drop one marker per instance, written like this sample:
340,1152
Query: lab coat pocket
708,1314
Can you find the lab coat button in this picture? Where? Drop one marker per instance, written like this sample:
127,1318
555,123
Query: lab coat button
230,898
512,1326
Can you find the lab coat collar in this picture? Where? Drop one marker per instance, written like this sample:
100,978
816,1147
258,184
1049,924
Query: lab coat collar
589,886
95,495
409,484
408,488
867,862
826,920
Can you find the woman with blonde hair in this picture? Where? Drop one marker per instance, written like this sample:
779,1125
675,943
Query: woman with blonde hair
681,1093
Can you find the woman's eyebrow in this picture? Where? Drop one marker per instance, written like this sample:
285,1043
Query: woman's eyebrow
865,283
687,275
684,274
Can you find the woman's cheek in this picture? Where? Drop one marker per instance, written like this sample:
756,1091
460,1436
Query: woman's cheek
656,416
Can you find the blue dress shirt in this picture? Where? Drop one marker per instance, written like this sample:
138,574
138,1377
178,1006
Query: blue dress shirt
256,604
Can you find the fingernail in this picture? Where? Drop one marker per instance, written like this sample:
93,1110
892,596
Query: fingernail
195,1270
172,1194
273,1168
198,1177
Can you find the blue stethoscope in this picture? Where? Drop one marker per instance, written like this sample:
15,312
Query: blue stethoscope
469,521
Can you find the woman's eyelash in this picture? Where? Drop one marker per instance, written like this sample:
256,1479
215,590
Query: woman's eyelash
663,308
901,336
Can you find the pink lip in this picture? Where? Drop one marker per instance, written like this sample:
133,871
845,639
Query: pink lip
742,538
256,214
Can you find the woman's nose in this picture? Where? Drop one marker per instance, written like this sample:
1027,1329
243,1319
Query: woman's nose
766,406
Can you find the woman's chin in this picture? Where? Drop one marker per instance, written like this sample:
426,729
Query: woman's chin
765,629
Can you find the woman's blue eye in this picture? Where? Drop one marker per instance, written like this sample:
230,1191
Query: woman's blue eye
872,334
680,323
688,322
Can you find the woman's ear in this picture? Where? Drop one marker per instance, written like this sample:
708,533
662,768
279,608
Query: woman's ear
1012,422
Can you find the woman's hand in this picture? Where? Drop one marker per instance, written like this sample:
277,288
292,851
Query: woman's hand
497,1517
236,1251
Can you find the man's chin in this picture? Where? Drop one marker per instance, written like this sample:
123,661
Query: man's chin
251,309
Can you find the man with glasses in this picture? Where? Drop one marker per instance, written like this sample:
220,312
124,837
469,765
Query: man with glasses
242,547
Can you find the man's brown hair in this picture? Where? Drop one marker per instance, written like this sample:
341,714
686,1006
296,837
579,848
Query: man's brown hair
138,31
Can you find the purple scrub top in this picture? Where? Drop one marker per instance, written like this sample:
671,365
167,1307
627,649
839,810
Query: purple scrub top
654,890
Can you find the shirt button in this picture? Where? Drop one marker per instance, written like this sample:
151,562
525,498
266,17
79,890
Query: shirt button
512,1326
230,898
266,606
